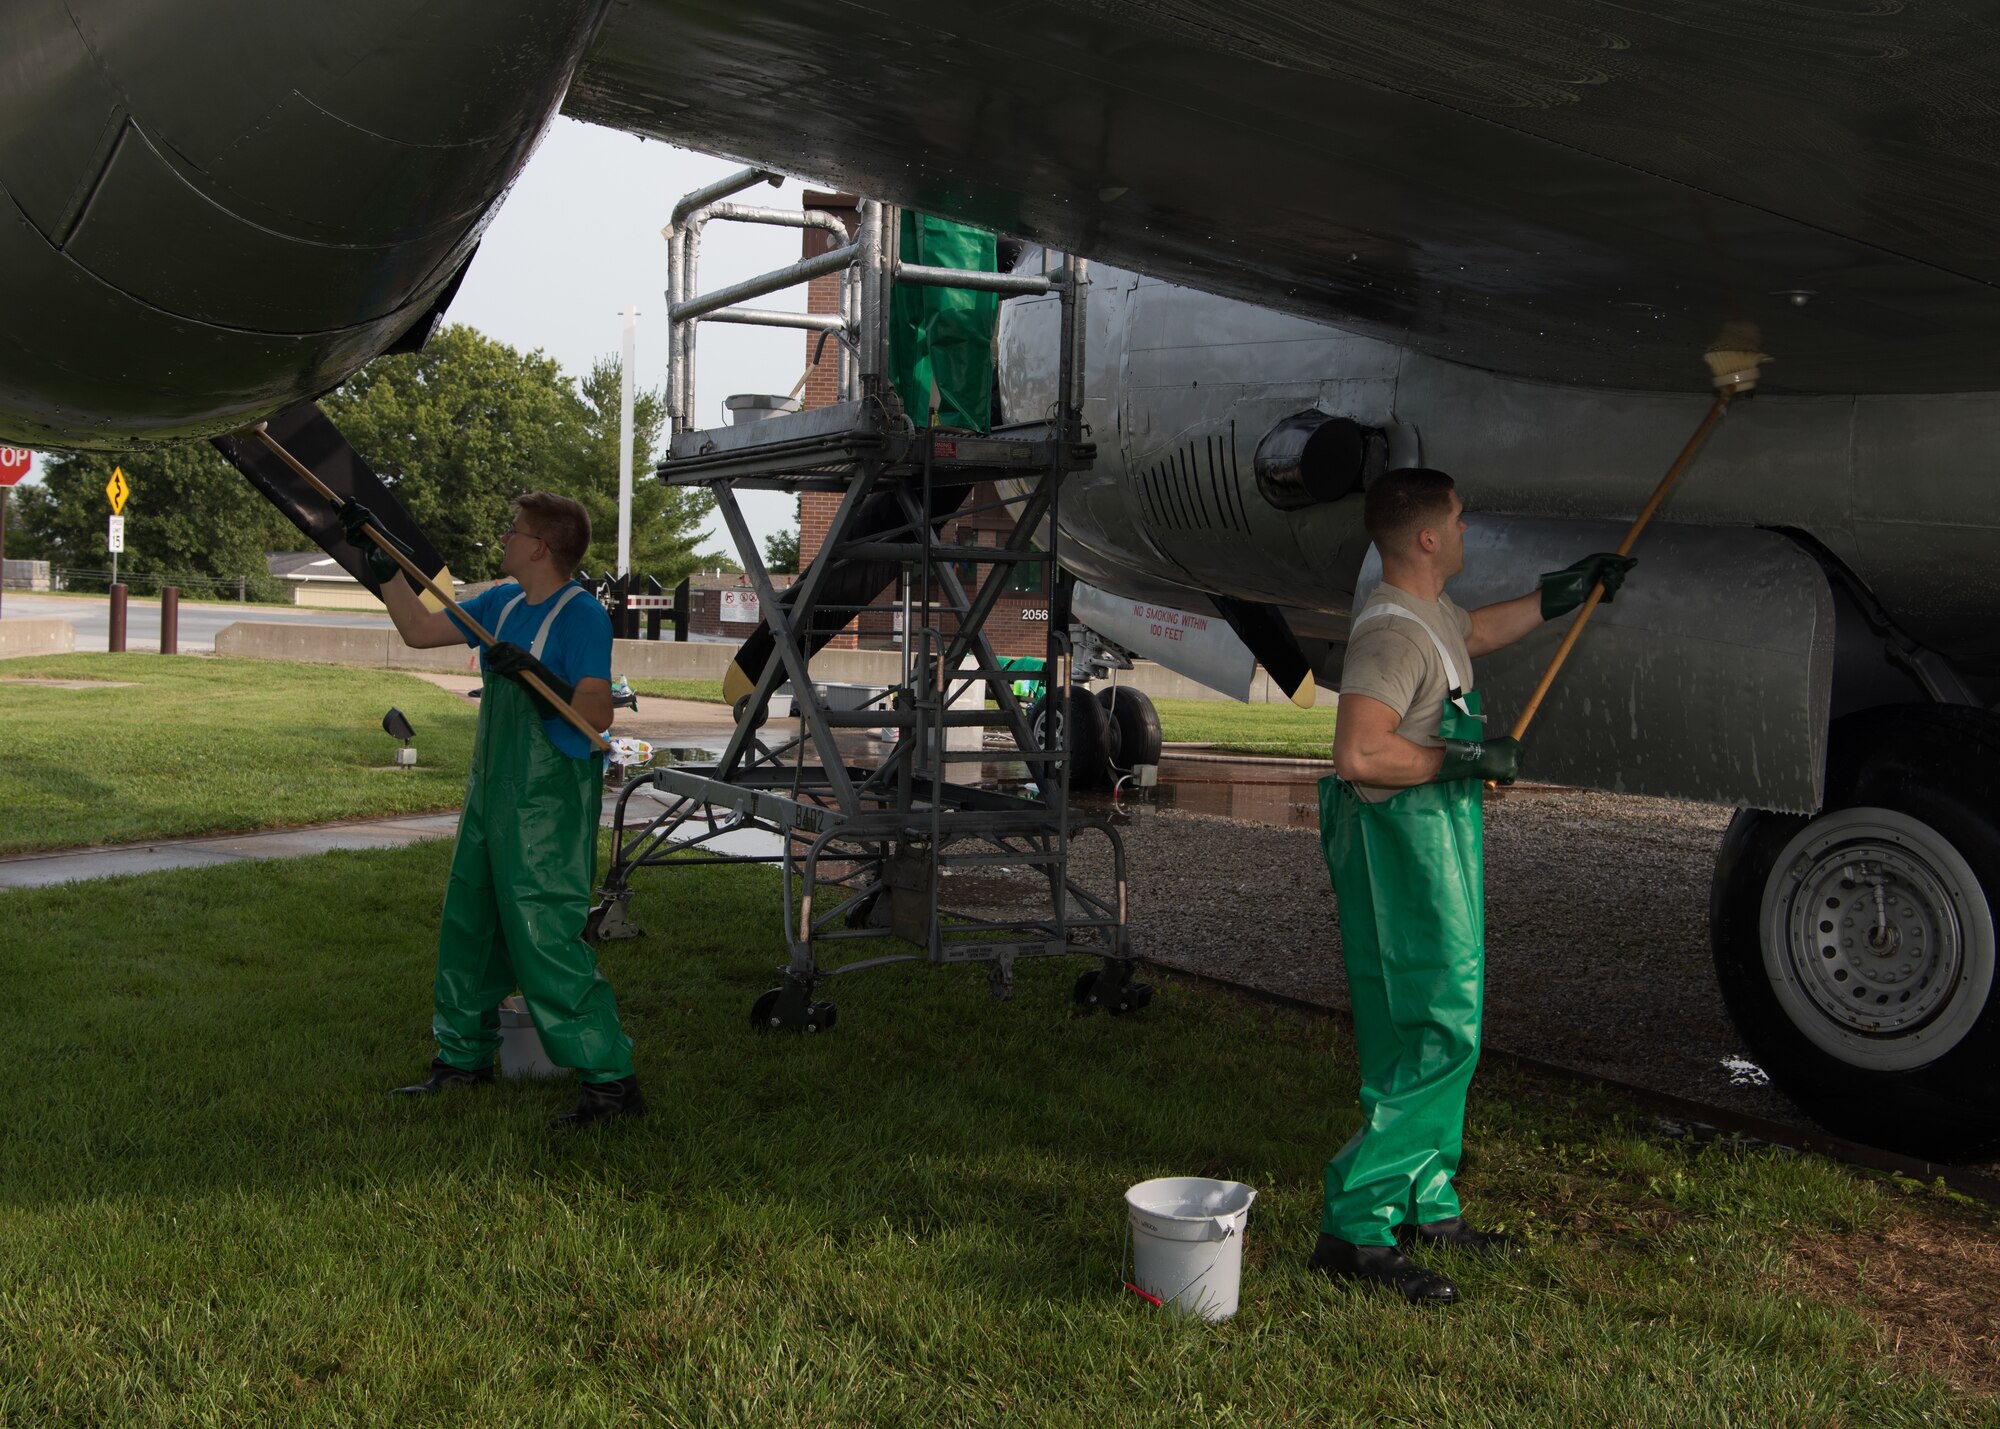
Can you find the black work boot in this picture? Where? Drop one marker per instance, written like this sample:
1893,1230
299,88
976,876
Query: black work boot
1381,1265
1454,1233
443,1078
601,1101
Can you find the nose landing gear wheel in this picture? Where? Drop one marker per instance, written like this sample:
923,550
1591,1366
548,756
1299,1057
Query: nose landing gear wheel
1095,754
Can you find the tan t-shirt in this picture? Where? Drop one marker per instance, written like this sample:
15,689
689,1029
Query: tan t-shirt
1391,660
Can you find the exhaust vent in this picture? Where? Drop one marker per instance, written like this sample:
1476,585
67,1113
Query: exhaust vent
1195,488
1311,458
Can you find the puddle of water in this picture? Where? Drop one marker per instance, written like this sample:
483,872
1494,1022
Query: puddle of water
1281,796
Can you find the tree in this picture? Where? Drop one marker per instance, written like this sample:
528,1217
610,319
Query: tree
454,430
666,520
459,428
191,516
781,552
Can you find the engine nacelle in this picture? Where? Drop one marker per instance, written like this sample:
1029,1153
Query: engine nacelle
211,210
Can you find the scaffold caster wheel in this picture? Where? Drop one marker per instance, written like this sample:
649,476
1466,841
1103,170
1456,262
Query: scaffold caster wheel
1116,996
1135,996
607,921
764,1012
769,1014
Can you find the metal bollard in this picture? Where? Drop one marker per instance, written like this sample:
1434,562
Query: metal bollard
117,646
170,620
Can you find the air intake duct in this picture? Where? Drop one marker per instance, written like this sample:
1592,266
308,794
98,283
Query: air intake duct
1311,458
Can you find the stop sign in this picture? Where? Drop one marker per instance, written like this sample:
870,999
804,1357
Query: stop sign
14,464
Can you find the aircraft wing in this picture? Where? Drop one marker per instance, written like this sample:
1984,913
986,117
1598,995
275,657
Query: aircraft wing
1572,191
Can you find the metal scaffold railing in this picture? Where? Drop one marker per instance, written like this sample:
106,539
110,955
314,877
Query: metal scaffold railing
902,831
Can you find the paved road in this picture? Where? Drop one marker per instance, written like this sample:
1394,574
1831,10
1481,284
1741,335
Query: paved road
199,621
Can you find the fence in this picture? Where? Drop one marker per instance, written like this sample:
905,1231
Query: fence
240,588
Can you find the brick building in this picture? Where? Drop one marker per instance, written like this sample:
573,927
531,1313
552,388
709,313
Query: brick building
1017,625
722,602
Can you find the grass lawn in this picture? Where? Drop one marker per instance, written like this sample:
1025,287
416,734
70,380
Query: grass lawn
1272,730
191,746
213,1215
707,691
1275,730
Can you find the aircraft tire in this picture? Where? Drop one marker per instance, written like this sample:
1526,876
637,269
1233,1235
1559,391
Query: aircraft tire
1856,949
1138,724
1095,753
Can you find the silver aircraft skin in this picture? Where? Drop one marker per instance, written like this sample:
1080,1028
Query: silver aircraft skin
1810,635
1503,236
1713,678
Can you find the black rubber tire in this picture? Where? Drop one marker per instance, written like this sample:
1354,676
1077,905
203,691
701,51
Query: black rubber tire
762,1008
1939,765
1095,753
1138,724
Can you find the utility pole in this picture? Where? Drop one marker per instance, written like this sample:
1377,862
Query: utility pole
625,442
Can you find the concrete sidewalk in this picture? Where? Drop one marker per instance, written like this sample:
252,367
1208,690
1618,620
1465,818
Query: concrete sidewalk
40,870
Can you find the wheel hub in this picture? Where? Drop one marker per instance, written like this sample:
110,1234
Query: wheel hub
1873,936
1877,938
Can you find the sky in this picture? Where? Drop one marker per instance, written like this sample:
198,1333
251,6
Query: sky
578,240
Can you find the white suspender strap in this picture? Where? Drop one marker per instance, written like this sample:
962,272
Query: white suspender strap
1450,667
570,593
548,621
505,611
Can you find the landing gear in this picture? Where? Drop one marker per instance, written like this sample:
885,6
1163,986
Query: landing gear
1116,729
1096,749
1137,724
1111,987
792,1008
1856,948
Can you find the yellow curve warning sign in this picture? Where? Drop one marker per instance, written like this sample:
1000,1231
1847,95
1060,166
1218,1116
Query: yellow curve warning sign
117,489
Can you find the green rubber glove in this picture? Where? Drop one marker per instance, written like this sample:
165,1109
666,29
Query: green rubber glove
1566,589
1496,759
381,565
511,660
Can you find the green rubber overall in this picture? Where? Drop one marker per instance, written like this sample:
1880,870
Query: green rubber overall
522,878
944,336
1407,877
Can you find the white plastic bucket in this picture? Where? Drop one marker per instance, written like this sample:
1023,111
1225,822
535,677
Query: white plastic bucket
521,1053
1187,1242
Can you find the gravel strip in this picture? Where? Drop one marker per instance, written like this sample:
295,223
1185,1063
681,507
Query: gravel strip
1596,929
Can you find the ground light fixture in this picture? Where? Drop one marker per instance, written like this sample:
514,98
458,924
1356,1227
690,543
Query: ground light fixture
396,725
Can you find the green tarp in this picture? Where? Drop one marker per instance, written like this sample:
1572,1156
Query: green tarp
941,339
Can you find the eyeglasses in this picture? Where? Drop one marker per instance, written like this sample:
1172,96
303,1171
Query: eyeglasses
511,532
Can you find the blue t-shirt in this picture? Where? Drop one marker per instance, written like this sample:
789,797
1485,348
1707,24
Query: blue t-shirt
578,647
